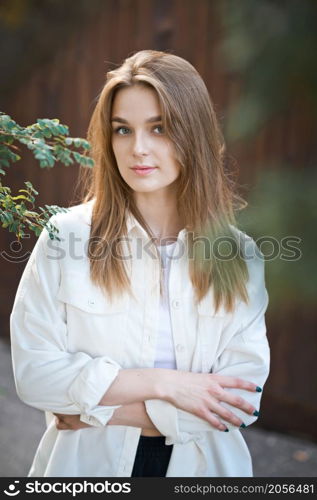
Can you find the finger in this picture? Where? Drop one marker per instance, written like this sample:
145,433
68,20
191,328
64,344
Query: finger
236,383
82,425
61,417
70,423
225,414
70,420
61,426
238,402
212,419
75,427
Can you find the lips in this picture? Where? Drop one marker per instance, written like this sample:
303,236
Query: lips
143,169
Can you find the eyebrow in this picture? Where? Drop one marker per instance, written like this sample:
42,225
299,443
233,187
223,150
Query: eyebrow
150,120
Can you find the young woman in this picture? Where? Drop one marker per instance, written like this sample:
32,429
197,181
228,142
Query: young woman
141,333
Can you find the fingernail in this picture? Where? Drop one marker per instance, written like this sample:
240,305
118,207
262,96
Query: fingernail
243,426
256,413
258,389
226,430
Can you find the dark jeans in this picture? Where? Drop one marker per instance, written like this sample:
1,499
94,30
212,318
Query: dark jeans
152,457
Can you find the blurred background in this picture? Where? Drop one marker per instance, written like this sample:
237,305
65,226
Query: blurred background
258,60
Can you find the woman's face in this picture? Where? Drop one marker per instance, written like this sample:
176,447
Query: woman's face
139,141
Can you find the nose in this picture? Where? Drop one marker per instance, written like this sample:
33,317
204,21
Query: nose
140,145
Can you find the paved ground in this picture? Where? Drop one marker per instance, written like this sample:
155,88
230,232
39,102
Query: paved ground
21,427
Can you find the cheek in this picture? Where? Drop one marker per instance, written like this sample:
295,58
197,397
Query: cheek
120,144
175,168
169,158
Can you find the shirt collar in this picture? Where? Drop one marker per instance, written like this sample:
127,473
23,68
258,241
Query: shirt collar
133,225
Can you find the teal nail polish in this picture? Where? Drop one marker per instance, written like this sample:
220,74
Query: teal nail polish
243,426
258,389
256,413
226,430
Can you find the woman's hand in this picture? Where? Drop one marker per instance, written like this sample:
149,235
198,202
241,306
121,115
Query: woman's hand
202,393
69,422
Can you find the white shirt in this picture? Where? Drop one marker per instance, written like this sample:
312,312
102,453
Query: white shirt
165,352
69,341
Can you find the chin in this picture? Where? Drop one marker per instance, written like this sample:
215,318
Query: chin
144,189
142,185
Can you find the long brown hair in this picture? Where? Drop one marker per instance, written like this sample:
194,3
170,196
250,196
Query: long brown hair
206,198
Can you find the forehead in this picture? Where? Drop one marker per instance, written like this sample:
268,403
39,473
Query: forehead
137,100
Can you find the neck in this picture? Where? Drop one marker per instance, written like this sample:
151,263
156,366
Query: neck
160,213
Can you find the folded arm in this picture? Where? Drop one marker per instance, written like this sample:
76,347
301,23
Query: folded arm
47,376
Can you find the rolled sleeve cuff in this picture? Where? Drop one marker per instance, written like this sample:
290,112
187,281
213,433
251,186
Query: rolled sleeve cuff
177,425
89,387
164,416
98,416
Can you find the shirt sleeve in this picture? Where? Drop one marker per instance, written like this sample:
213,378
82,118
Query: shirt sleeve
46,375
246,356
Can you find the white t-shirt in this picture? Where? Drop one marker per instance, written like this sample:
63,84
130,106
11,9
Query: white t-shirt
165,354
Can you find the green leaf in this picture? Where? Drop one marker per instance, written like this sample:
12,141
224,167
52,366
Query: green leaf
29,213
83,160
63,129
89,162
37,231
63,155
4,162
29,185
6,217
7,122
85,145
20,197
14,226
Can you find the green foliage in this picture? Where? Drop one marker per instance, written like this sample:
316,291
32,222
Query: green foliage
269,47
48,141
281,217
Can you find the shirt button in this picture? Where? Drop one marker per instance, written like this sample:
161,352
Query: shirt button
176,303
91,302
180,348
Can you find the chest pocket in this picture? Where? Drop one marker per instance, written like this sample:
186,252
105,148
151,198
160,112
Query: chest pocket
95,324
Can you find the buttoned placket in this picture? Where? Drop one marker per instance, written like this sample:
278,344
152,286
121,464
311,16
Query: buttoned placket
144,278
151,273
151,307
178,270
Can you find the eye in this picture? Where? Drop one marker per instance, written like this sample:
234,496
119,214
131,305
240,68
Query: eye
160,127
125,130
117,130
